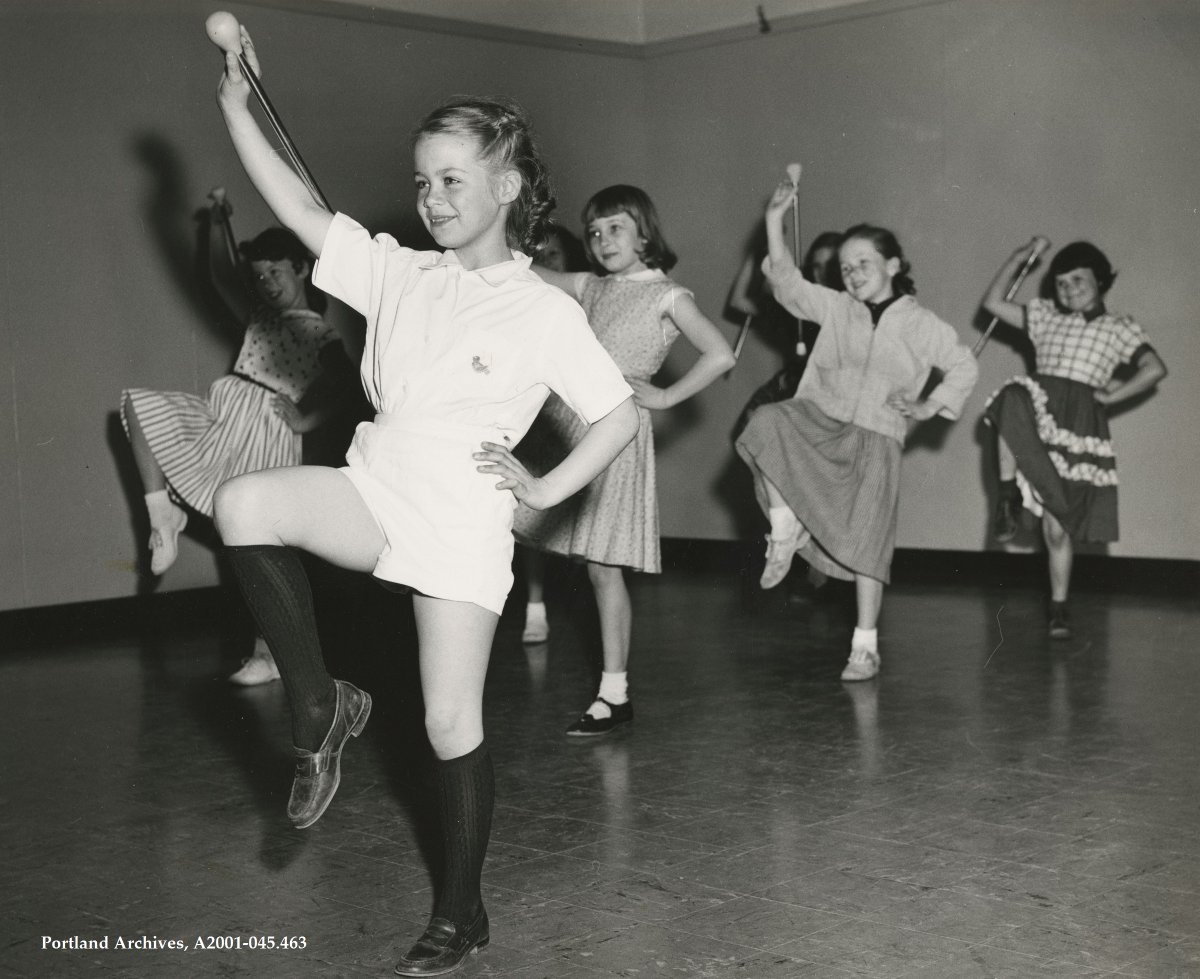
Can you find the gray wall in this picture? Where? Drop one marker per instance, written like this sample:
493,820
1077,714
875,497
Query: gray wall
966,126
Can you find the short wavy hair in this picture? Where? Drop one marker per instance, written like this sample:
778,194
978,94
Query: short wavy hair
506,141
281,245
1083,255
623,198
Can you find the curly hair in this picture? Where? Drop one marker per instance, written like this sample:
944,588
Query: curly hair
623,198
505,142
886,244
281,245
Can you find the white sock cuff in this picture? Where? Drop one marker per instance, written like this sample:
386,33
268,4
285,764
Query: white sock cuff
614,687
535,608
865,639
781,517
160,506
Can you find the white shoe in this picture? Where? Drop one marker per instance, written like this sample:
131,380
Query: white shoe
256,669
862,665
780,551
164,541
536,630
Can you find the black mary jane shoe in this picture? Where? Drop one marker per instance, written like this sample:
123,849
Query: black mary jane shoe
444,947
319,772
588,726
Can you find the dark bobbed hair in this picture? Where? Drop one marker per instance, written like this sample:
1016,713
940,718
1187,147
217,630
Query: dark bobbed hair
636,203
506,142
886,244
1082,255
832,271
576,254
281,245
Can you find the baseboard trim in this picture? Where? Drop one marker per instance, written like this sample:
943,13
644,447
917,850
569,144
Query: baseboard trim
116,618
992,569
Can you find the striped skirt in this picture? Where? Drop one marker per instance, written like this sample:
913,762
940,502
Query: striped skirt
1058,433
841,481
201,442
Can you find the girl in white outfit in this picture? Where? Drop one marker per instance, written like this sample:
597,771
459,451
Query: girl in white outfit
462,348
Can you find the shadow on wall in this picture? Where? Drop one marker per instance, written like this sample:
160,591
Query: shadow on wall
181,232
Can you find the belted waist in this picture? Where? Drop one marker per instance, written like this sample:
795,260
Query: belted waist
255,381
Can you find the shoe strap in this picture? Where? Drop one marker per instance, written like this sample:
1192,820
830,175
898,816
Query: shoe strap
310,764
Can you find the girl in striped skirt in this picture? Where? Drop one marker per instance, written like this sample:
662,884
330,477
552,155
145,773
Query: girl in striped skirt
827,462
1055,452
185,445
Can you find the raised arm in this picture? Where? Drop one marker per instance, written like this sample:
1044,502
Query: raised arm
224,270
714,360
739,293
283,191
777,207
995,300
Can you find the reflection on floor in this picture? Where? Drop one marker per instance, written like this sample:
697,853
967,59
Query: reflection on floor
994,804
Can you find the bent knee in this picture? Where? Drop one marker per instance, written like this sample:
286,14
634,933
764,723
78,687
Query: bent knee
241,509
1056,534
452,730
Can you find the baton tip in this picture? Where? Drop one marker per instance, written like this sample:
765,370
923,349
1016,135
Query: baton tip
224,31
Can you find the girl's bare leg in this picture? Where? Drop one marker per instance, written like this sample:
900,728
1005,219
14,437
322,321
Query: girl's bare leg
455,645
611,706
152,476
869,592
616,614
537,629
1006,462
864,647
167,519
1061,554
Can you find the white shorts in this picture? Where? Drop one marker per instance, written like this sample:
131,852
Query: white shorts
447,529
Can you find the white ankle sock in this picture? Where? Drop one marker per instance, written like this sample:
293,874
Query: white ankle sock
161,507
614,687
865,639
783,521
535,612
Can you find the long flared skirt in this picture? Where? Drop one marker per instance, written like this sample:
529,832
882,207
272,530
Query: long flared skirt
841,481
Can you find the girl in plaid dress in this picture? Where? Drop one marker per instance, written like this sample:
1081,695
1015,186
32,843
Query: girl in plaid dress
1055,451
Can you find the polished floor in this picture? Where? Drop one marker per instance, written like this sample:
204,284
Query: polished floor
994,804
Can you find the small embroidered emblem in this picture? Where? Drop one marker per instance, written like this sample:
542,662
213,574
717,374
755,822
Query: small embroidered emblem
479,366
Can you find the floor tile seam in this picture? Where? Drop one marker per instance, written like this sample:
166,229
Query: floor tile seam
660,840
574,816
865,917
1048,919
632,797
411,868
1100,915
1140,879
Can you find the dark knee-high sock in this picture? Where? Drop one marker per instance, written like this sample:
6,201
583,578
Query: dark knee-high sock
466,793
275,586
